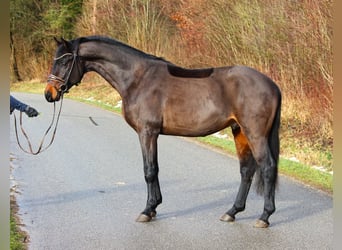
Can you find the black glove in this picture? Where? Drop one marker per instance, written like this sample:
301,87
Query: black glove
31,111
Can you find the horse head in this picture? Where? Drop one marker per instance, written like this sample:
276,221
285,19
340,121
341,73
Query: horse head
66,70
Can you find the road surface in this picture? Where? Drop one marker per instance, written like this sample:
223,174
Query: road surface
86,191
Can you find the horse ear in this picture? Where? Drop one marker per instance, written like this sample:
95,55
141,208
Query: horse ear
57,41
66,44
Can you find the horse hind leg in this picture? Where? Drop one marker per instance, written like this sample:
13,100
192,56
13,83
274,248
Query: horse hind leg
266,179
247,169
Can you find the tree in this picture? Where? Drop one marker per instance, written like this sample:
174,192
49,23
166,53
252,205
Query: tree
33,23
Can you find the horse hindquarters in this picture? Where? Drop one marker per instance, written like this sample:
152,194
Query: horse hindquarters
268,174
258,151
266,154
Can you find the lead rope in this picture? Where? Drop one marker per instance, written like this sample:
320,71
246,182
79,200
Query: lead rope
40,149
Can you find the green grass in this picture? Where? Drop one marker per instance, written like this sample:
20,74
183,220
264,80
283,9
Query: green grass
17,237
224,144
88,93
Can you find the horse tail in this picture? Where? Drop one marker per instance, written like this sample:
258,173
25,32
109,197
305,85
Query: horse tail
274,149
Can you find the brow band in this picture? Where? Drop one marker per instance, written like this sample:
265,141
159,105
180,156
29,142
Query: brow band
66,54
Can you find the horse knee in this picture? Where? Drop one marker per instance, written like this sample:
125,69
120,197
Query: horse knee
151,175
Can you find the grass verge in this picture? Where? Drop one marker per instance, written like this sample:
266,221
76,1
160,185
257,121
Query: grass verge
299,171
18,238
88,93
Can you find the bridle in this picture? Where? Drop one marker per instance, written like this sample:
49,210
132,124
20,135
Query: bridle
63,83
62,86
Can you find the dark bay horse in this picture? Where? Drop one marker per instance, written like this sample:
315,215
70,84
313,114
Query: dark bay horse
161,98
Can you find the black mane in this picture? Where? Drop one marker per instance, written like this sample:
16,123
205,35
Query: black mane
112,41
172,68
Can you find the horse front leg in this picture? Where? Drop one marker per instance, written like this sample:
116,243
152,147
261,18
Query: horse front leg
148,142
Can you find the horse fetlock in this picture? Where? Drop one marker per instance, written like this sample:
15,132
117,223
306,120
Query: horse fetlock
153,214
265,215
152,203
236,209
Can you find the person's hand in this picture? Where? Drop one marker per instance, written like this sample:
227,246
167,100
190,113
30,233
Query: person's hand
31,112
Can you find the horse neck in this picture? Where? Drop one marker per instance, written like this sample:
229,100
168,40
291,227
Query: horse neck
115,65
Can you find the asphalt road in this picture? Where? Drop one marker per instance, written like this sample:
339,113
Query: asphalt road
86,191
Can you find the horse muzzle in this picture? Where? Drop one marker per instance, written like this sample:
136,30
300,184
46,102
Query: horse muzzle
51,93
55,88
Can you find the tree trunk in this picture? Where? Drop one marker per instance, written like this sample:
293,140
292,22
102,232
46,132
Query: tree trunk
14,60
94,16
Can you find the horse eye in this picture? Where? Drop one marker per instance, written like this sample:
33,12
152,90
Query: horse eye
64,61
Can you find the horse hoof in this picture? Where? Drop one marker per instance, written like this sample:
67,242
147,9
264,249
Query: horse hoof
153,214
227,218
261,224
143,218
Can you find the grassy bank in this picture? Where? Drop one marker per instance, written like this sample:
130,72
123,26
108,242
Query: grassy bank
299,171
17,237
103,95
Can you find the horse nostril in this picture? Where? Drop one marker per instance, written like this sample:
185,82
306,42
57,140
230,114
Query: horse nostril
48,96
